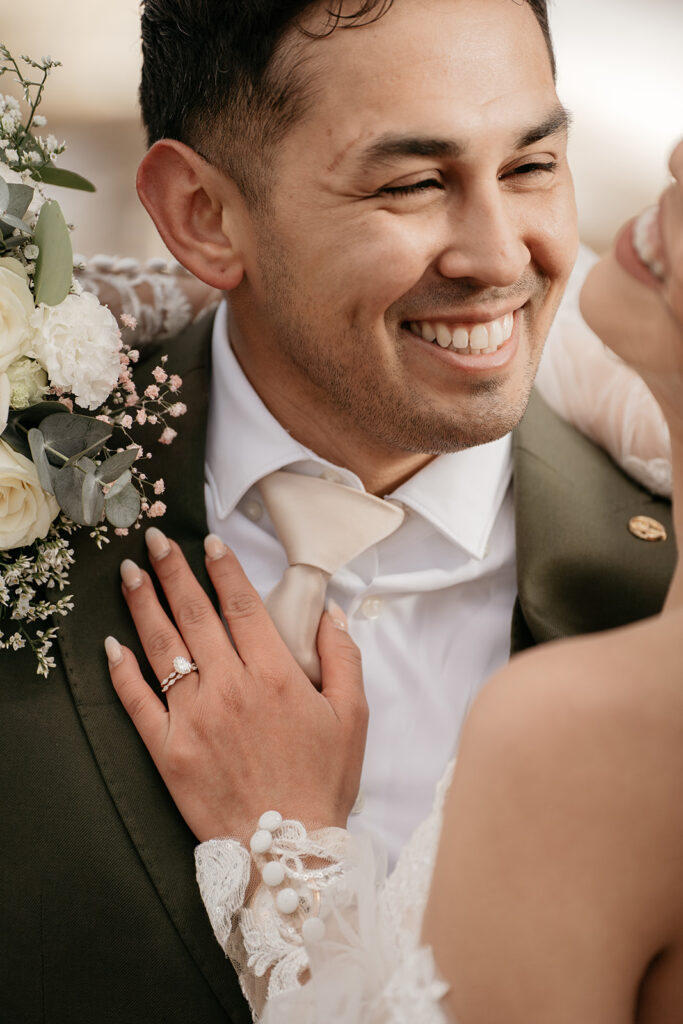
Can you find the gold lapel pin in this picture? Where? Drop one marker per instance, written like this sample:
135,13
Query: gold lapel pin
646,528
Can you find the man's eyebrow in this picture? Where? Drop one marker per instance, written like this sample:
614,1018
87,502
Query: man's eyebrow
390,147
394,146
558,120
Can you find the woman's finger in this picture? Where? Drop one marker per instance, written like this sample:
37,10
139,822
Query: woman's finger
192,610
342,671
147,712
160,639
256,638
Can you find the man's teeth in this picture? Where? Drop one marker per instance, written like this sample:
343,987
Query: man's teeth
477,340
646,241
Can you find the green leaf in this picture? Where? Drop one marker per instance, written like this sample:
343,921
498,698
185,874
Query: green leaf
40,460
22,420
11,222
74,492
4,195
123,509
20,197
74,436
52,175
119,484
54,266
112,468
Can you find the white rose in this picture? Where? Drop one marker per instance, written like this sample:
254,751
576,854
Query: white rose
28,383
26,511
78,343
16,310
5,391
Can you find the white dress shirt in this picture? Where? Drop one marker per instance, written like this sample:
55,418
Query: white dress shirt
430,606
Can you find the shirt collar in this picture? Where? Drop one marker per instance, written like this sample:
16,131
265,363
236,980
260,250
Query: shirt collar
459,493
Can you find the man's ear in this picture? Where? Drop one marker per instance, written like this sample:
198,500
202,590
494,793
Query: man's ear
199,212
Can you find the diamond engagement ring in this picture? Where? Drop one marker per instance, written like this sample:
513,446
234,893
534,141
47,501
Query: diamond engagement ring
181,667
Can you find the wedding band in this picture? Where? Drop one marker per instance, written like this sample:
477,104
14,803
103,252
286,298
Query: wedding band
181,667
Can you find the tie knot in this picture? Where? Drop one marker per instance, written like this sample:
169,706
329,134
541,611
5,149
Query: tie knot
325,524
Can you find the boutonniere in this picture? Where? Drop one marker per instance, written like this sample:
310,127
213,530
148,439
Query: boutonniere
69,404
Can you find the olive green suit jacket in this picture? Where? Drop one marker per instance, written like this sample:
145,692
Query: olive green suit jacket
101,918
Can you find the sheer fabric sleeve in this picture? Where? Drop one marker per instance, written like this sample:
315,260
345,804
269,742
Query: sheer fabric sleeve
362,961
591,388
162,297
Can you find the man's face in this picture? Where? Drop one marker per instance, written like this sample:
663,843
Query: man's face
426,193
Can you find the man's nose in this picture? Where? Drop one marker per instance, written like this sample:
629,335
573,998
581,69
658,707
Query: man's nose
486,240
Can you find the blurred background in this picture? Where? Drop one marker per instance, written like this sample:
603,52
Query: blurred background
621,73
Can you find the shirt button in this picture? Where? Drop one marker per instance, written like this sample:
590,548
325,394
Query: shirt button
330,476
253,510
372,607
359,805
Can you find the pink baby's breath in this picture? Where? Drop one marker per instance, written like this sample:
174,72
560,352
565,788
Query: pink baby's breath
141,417
159,486
70,405
129,321
156,510
126,422
152,391
121,531
174,382
102,418
168,435
178,409
159,375
133,355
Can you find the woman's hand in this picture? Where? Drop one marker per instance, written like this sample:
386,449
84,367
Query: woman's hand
246,732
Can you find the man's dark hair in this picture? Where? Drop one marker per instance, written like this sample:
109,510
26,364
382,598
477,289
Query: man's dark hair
215,77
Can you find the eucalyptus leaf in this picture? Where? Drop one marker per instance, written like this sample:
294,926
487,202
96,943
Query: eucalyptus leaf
93,499
54,266
74,495
74,436
123,509
40,460
52,175
20,197
12,222
22,420
119,484
112,468
4,195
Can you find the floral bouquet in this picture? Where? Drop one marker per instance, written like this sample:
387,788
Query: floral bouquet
59,348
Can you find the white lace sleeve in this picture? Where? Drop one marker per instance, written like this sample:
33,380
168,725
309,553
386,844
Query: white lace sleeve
161,297
590,387
349,951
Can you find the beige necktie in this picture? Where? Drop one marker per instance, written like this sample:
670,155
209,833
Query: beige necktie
322,526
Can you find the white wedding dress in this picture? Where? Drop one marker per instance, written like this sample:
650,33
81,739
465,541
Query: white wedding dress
361,962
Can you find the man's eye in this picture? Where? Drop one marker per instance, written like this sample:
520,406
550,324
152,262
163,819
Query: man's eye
535,168
411,190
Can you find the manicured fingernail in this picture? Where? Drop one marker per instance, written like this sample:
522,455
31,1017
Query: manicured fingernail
113,650
214,547
157,543
130,574
337,615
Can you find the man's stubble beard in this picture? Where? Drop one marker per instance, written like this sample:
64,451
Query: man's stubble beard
385,411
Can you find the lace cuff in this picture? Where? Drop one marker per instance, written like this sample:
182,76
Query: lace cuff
266,939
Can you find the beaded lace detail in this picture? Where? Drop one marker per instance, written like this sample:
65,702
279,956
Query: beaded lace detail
366,965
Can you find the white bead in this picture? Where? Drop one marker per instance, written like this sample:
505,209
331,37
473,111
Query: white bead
287,901
273,873
372,607
253,510
261,841
313,930
270,820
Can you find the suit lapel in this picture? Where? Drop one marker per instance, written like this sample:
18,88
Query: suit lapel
164,843
579,568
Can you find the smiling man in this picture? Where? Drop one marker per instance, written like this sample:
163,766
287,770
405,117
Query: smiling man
383,195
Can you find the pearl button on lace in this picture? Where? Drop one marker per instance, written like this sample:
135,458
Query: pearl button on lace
273,873
270,820
261,841
372,607
253,510
287,901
